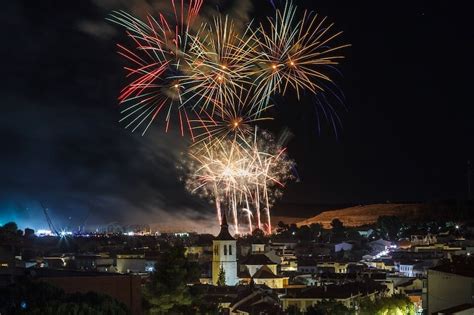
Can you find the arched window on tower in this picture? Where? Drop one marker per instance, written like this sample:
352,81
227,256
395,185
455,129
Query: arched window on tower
230,249
225,250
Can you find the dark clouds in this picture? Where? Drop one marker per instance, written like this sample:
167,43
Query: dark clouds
62,144
407,135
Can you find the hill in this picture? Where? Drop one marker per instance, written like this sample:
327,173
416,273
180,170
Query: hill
366,214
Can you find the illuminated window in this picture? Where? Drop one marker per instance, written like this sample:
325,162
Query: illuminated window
4,265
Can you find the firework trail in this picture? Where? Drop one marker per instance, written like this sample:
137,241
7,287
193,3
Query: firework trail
246,174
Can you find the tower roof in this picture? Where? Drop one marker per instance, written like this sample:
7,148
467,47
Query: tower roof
224,234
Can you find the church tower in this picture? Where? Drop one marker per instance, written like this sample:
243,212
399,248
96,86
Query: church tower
224,255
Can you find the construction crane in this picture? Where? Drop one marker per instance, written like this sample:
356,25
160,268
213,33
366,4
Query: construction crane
48,219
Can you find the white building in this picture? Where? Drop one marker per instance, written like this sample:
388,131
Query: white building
224,255
450,285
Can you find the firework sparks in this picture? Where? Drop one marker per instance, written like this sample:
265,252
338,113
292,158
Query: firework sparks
231,121
245,174
294,53
156,62
219,58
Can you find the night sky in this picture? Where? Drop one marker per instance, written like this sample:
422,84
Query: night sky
407,132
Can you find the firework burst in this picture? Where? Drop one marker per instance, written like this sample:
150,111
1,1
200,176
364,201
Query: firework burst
294,53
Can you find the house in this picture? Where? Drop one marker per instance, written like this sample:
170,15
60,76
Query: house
254,262
306,265
348,294
124,288
414,268
379,246
381,264
333,266
365,232
254,299
134,263
450,284
262,270
405,267
266,276
427,239
342,246
286,251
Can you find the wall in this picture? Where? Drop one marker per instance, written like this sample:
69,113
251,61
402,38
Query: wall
446,290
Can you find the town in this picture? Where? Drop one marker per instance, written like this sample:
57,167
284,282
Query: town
388,267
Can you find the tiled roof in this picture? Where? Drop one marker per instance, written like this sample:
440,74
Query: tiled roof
257,259
265,273
334,291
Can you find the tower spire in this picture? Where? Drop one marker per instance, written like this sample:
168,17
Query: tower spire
224,233
224,220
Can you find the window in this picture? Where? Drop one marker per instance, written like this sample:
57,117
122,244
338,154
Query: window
216,250
225,250
230,249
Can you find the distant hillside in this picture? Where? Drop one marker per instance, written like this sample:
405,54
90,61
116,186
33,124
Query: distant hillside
367,214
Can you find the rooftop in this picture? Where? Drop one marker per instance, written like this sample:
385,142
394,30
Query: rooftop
465,269
257,259
265,273
224,234
334,291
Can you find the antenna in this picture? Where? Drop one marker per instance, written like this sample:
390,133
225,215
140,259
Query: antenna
468,180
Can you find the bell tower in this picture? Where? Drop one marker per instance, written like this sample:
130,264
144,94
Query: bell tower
224,255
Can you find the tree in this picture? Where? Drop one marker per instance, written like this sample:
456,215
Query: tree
282,227
168,286
258,234
389,226
396,304
316,229
293,310
304,233
337,227
328,308
221,278
27,297
9,234
29,233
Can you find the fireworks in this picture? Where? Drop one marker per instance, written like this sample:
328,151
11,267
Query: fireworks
220,66
245,175
217,82
159,47
294,53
